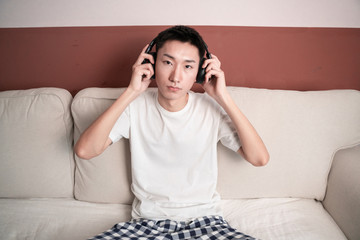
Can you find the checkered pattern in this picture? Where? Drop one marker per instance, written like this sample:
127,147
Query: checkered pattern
213,228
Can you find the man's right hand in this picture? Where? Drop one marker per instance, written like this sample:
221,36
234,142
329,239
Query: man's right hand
141,73
95,139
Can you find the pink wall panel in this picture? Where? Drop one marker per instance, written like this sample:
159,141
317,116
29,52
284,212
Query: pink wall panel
262,57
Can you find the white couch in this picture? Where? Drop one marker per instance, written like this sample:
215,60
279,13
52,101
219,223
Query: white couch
310,189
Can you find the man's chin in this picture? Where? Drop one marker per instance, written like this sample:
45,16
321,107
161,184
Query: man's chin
172,95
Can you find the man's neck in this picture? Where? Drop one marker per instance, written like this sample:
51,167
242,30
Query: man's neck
174,105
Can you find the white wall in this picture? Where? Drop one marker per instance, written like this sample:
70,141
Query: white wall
284,13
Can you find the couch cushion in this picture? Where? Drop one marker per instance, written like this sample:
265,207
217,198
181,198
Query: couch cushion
105,178
57,219
36,157
282,219
279,219
302,131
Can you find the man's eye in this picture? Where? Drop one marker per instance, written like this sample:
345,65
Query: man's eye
167,62
188,66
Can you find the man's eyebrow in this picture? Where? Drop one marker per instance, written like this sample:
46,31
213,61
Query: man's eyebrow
171,57
190,61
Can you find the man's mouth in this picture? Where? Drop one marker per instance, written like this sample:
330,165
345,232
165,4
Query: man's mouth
173,89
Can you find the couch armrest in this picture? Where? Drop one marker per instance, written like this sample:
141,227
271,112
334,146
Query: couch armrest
342,199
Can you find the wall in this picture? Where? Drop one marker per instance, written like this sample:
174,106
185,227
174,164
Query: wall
298,45
275,13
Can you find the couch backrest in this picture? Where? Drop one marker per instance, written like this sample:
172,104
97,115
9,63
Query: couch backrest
36,136
302,131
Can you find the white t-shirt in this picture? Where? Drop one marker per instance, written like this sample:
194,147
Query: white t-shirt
174,155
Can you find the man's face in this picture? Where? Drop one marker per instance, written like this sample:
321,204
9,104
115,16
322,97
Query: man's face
176,69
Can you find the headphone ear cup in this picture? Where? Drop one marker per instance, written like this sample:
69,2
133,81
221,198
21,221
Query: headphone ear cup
153,65
200,78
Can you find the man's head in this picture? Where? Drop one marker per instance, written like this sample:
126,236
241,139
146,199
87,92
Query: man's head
182,34
179,55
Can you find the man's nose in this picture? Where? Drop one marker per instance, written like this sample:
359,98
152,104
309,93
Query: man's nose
175,74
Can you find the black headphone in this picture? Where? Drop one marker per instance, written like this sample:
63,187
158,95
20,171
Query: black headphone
200,77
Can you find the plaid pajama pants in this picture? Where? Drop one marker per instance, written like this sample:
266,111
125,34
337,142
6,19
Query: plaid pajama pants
213,228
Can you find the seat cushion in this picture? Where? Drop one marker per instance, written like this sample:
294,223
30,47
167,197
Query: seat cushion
282,219
57,219
36,157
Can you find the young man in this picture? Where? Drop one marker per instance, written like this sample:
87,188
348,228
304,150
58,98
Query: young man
173,134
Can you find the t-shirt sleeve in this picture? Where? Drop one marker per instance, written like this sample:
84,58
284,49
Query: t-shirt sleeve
227,133
121,128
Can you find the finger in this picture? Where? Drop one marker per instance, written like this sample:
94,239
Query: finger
213,74
213,56
212,66
144,49
141,62
210,61
143,55
146,75
144,70
148,68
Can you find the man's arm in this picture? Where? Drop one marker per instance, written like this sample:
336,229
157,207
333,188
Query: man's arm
253,149
95,139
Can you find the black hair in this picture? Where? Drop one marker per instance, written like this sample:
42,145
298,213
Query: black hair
183,34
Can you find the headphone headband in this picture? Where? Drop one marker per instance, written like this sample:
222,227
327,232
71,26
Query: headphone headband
153,42
208,55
